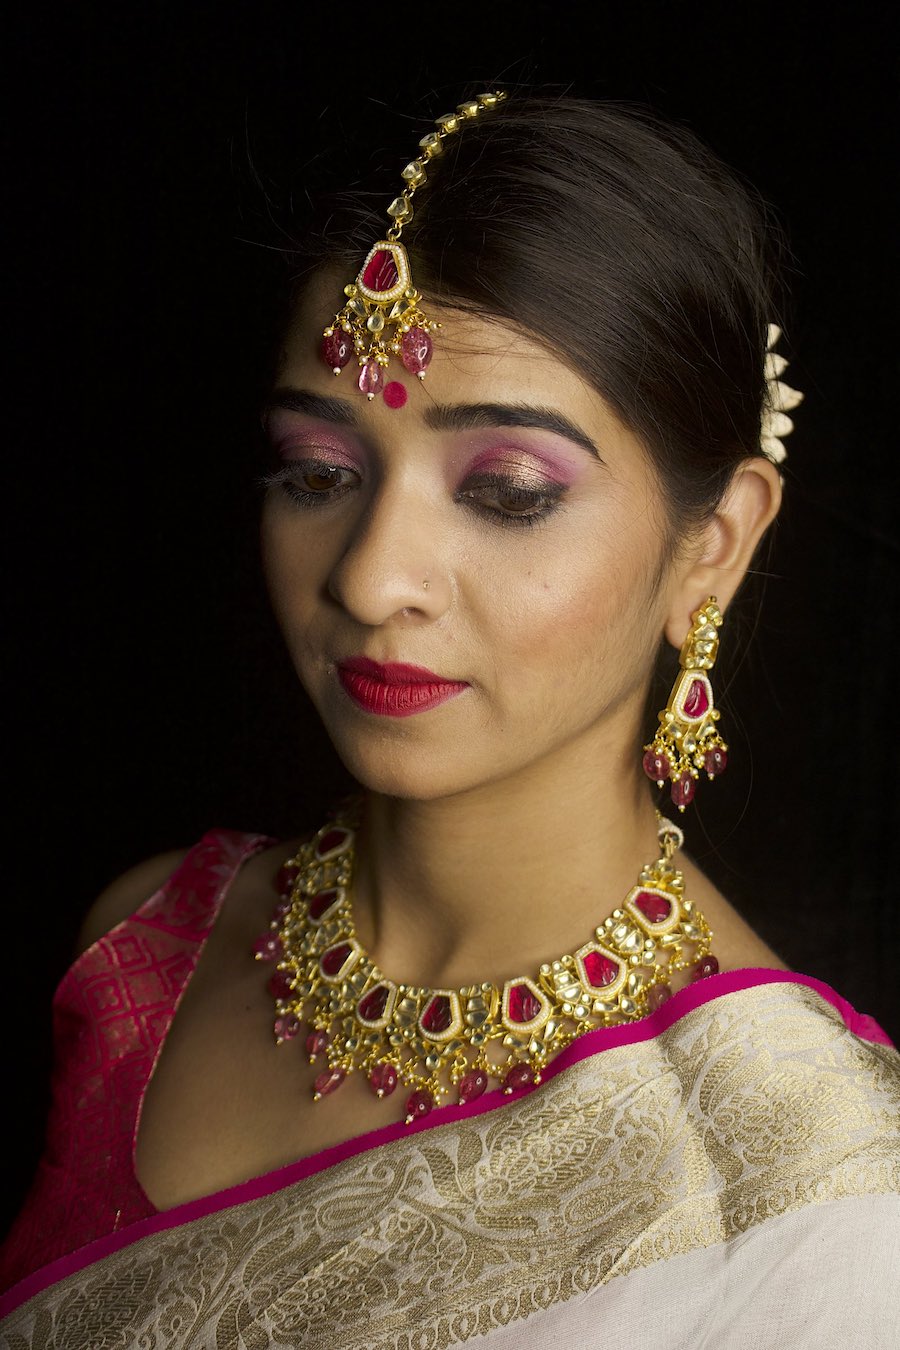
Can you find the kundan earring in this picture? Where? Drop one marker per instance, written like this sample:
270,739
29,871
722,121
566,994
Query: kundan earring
382,315
687,740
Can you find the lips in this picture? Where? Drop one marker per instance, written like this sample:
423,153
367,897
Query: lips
394,690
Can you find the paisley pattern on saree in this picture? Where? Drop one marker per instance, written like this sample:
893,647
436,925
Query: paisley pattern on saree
754,1105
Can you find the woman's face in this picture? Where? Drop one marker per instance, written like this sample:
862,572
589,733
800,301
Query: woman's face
502,530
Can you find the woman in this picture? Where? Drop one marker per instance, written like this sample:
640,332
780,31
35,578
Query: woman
558,1087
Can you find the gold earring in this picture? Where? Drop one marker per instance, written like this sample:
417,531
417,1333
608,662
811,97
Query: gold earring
687,739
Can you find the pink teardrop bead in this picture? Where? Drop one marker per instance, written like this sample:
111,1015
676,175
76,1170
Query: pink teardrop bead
337,350
714,761
519,1076
418,1105
328,1081
656,766
416,350
286,1027
706,966
370,379
316,1042
281,984
683,791
657,996
472,1085
383,1079
268,947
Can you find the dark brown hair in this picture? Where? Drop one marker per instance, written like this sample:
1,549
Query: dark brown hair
619,241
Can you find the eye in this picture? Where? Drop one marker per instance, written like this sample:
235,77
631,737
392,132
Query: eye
312,483
510,502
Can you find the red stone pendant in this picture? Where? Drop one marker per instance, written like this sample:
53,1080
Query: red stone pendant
383,1079
332,842
518,1077
316,1042
471,1086
321,906
416,350
327,1082
418,1105
337,349
656,766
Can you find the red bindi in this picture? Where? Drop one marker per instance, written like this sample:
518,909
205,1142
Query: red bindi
395,394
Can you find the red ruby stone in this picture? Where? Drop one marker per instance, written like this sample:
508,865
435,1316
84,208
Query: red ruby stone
655,908
524,1005
286,1027
715,761
281,984
383,1079
337,349
416,350
285,878
438,1016
333,959
656,766
316,1042
331,841
268,947
600,970
696,701
658,995
472,1085
328,1080
370,379
381,271
519,1076
418,1104
683,790
706,966
372,1005
320,904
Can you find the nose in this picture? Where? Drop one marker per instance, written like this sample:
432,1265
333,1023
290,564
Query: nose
392,564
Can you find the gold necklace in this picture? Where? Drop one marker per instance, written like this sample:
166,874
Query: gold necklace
437,1040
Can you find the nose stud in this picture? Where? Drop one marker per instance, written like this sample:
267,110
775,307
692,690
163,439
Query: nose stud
425,585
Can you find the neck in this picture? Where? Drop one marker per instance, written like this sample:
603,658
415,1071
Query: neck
489,883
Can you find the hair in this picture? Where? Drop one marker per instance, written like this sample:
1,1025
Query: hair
615,239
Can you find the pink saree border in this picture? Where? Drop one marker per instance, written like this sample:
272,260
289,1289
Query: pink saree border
687,1000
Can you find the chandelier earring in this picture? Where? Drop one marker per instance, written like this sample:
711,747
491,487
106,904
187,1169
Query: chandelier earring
687,741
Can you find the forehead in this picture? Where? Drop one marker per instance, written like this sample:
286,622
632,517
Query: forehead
475,360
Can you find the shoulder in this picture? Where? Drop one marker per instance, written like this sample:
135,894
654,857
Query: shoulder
126,894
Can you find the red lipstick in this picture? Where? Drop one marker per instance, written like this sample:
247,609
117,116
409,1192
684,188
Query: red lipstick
395,690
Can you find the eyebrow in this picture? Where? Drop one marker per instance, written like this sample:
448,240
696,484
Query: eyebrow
441,416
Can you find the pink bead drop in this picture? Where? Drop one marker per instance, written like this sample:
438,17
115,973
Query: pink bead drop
268,947
706,966
383,1079
328,1081
418,1105
472,1085
370,379
656,766
715,761
416,350
281,984
286,1027
683,791
285,878
657,996
337,349
519,1076
316,1042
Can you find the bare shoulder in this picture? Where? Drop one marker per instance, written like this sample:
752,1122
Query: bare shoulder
125,895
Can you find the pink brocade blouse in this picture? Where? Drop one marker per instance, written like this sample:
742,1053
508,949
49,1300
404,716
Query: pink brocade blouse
111,1014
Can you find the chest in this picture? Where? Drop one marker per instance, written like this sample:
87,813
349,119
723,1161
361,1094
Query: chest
225,1103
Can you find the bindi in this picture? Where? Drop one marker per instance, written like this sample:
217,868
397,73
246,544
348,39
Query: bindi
395,394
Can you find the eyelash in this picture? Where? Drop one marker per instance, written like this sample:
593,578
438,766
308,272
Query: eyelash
544,502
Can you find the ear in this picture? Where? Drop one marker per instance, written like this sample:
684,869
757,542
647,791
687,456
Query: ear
718,559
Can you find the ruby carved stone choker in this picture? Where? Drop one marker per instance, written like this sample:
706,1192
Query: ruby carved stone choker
439,1042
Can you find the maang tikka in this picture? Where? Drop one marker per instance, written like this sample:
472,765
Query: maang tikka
382,316
687,741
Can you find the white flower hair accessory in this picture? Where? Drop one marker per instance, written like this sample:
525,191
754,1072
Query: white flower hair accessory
779,400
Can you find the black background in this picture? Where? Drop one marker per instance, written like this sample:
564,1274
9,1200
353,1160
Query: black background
151,146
